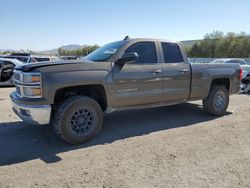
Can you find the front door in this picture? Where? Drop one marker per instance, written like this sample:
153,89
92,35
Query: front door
139,83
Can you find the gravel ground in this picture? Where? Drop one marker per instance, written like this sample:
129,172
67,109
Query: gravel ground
178,146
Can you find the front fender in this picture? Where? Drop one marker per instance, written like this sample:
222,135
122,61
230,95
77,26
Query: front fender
59,80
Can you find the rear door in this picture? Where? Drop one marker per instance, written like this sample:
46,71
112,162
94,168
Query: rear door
176,73
139,83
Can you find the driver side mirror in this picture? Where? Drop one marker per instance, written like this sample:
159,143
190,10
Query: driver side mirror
126,58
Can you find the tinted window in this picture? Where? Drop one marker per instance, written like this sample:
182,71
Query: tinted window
236,61
32,60
172,53
39,59
145,50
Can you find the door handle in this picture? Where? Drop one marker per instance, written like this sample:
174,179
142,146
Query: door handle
156,71
184,70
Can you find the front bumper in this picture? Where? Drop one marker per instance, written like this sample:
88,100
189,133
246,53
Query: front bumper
33,114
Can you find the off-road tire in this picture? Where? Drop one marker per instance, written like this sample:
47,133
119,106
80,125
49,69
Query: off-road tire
62,121
209,103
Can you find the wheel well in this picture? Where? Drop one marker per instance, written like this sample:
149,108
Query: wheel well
96,92
222,81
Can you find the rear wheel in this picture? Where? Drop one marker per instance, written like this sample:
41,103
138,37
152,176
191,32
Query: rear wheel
217,101
78,119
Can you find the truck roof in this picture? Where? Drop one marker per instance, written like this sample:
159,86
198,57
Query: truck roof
151,39
15,61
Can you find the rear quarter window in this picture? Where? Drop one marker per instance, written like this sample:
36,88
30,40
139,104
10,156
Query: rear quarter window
40,59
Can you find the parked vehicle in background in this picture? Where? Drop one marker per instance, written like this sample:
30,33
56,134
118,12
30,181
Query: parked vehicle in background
24,59
20,54
127,74
245,86
70,57
6,70
28,58
45,58
230,60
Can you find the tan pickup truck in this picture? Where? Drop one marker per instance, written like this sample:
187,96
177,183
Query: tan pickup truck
132,73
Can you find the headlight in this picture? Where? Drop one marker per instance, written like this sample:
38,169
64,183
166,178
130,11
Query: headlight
32,78
28,84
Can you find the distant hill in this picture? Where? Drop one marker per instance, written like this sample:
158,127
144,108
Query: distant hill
49,52
65,47
3,50
72,46
6,50
52,51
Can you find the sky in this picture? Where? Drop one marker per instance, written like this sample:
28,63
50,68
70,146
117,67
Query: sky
47,24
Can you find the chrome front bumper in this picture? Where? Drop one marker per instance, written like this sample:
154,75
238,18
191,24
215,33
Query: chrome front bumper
33,114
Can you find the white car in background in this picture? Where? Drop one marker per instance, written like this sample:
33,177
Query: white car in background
230,60
6,70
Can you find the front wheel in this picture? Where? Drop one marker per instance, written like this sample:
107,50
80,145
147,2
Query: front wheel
217,101
78,119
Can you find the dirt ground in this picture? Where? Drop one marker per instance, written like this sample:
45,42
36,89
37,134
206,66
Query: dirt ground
177,146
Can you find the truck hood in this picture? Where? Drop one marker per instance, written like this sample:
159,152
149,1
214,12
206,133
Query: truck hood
30,66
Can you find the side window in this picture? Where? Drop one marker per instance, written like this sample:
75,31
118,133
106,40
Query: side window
172,53
231,61
240,62
145,50
33,60
234,61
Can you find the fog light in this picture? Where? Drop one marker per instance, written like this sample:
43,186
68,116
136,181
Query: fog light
29,91
25,112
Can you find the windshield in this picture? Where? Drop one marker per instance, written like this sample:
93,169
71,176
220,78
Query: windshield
105,52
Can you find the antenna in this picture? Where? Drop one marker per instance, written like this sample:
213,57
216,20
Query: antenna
126,38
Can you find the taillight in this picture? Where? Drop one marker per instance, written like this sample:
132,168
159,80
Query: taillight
241,73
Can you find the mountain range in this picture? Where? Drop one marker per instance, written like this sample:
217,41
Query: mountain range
65,47
52,51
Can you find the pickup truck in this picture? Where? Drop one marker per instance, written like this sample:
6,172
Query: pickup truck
73,96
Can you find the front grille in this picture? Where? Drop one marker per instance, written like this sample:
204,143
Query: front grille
18,90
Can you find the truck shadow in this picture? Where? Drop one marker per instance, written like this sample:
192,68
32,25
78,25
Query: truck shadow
20,142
